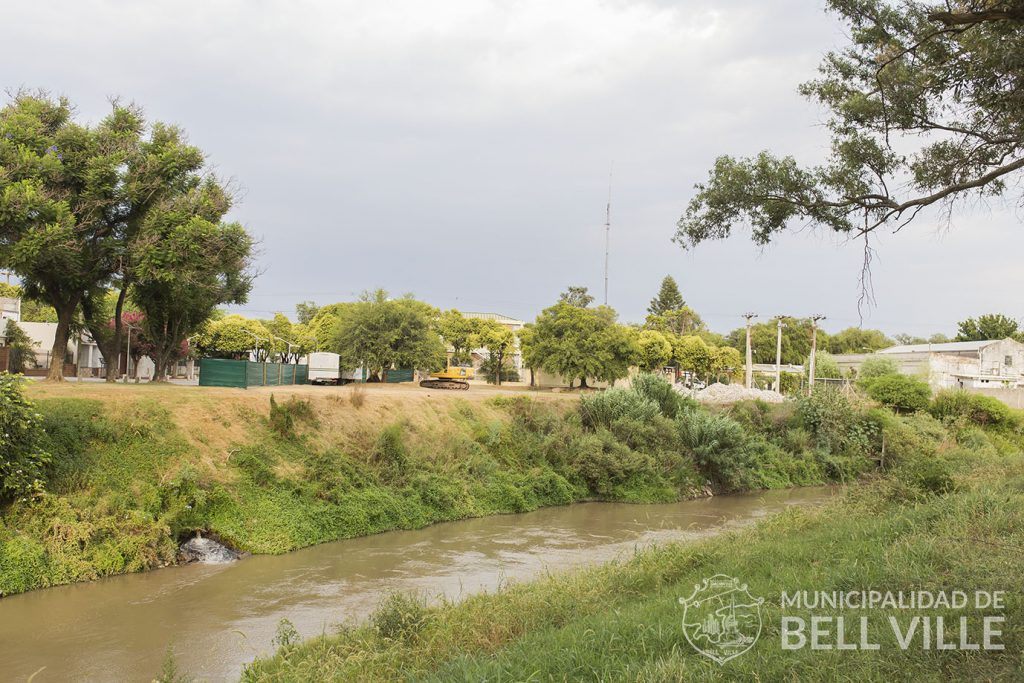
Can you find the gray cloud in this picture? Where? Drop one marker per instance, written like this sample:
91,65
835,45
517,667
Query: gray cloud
460,150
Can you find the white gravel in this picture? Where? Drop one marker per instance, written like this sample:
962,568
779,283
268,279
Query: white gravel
731,393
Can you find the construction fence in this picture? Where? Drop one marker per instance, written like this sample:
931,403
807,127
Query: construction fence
241,374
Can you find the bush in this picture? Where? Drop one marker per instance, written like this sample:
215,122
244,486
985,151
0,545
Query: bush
657,389
399,617
22,459
284,415
900,392
603,408
877,366
979,409
718,445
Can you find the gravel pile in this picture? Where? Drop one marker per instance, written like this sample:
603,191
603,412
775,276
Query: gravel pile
731,393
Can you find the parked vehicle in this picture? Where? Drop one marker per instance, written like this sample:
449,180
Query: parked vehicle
325,368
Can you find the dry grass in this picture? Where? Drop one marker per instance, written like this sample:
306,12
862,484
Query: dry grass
348,418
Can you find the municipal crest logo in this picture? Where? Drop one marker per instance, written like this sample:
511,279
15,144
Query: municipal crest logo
721,620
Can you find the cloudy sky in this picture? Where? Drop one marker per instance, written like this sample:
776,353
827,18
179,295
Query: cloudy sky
461,149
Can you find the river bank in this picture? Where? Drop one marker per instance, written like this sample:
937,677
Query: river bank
217,618
136,470
955,524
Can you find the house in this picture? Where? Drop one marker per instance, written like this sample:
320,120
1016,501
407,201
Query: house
988,364
82,355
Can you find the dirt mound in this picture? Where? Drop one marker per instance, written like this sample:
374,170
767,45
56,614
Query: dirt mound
731,393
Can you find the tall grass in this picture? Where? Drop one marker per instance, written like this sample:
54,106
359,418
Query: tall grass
621,621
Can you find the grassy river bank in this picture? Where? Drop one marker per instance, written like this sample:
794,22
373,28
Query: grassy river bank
132,470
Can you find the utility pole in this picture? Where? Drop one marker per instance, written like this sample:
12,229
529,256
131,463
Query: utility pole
778,357
607,234
814,350
750,355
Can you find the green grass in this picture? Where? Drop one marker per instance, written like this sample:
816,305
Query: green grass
621,621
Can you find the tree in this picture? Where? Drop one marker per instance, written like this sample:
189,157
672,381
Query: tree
693,355
305,311
574,341
937,338
876,366
796,340
988,326
499,342
576,296
654,350
682,320
381,333
924,109
234,336
73,196
186,263
725,360
858,340
668,298
459,332
21,345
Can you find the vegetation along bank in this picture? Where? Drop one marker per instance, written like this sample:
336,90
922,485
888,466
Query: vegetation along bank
106,479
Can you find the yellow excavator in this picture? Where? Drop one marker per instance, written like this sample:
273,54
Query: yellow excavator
452,377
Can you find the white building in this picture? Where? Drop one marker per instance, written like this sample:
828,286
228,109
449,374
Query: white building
989,364
479,355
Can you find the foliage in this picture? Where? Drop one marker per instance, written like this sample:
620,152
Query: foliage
604,408
951,404
499,342
858,340
381,333
796,340
284,415
654,350
32,310
825,366
234,336
73,197
920,114
459,333
574,341
988,326
576,296
22,459
719,446
902,393
21,345
876,366
667,299
656,388
399,617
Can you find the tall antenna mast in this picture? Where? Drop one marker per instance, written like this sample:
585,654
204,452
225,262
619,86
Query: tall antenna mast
607,232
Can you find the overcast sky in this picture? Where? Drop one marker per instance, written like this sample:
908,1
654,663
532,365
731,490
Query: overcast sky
460,150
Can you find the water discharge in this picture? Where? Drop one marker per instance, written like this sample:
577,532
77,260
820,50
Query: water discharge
218,617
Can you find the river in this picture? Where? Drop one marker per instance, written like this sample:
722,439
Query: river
218,617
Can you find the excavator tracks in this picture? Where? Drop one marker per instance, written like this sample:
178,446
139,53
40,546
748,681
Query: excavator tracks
444,384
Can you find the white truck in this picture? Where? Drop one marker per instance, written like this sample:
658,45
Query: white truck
325,368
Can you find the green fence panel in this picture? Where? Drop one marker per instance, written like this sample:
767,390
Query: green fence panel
219,372
396,376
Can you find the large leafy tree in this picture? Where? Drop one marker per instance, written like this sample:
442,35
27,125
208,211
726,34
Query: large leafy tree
185,263
459,333
380,333
988,326
73,196
925,108
796,340
572,340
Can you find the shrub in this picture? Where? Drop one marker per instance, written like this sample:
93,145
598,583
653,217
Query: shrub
979,409
877,366
603,408
718,445
358,396
836,424
900,392
399,617
390,450
22,459
657,389
284,415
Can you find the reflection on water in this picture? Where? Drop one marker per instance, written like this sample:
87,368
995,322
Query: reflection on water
217,617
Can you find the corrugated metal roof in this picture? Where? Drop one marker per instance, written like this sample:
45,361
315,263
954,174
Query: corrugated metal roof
948,347
504,319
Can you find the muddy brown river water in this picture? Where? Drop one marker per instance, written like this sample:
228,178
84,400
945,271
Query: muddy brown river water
218,617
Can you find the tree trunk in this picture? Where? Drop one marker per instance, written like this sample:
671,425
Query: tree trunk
60,342
497,375
583,383
531,378
114,362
